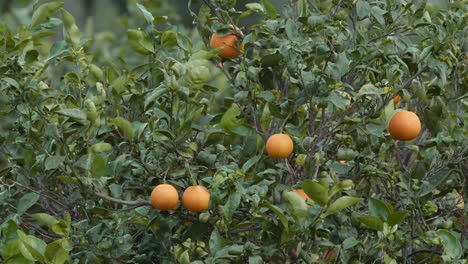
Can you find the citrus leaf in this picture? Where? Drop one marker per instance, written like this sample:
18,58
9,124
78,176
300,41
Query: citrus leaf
53,162
252,161
147,14
44,11
279,213
451,244
296,204
100,147
45,219
73,113
379,209
342,185
124,125
316,192
341,203
372,222
26,202
140,41
72,33
397,218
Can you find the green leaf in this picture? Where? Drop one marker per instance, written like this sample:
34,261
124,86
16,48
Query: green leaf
61,228
372,222
56,252
231,205
120,84
270,9
369,89
388,111
53,162
155,94
26,202
339,68
124,125
296,204
316,192
337,100
292,29
451,244
341,203
255,7
33,245
379,209
229,119
98,166
100,147
45,219
44,11
255,260
11,82
56,49
316,19
363,9
279,213
346,154
72,33
397,218
434,181
378,13
140,41
11,249
148,16
342,185
73,113
215,241
349,243
252,161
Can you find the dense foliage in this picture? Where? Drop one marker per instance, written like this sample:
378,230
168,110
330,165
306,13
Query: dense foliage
91,123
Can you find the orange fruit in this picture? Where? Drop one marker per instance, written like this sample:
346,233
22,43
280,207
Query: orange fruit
228,43
396,99
404,125
196,198
304,196
164,197
342,161
279,146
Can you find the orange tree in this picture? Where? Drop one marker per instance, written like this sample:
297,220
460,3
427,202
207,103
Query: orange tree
91,124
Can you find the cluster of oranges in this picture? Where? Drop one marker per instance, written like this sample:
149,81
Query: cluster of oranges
404,125
195,198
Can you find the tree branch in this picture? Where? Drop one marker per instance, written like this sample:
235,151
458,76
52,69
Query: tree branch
246,229
132,203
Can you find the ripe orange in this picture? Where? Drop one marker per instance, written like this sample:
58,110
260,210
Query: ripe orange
227,43
343,161
304,196
404,125
164,197
196,198
396,99
279,146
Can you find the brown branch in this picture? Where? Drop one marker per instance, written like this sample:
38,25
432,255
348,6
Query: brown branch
131,203
246,229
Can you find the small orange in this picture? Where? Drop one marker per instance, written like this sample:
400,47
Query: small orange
196,198
343,161
279,146
164,197
396,99
404,125
304,196
228,43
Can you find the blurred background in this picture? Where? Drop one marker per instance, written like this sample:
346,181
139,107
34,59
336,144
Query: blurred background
110,15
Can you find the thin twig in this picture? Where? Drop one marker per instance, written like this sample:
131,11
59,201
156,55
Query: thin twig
132,203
